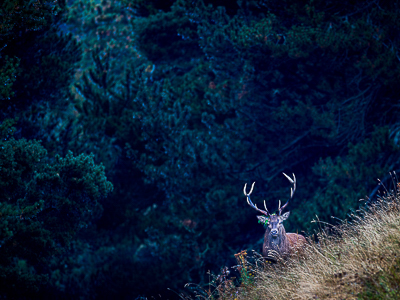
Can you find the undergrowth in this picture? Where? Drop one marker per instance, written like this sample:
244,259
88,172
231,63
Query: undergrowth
359,259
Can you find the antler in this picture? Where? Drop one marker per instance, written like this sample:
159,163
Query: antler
251,203
292,190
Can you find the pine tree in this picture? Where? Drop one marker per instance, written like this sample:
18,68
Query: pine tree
44,203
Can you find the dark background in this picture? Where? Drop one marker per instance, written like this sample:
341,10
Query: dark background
129,128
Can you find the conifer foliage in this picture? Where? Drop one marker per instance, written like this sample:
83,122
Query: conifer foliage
43,205
218,96
183,102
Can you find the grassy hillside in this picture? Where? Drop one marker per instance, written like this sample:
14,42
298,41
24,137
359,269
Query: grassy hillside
359,259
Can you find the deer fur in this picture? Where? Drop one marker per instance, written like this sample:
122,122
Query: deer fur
283,244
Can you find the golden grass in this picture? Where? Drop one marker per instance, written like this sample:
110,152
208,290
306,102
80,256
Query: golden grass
357,260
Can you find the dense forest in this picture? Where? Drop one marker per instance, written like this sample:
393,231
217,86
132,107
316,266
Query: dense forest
129,128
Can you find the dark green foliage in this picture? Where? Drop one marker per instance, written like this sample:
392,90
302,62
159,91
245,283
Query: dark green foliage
167,37
354,176
49,61
103,26
308,74
8,73
43,205
222,96
21,19
25,15
184,102
37,63
145,8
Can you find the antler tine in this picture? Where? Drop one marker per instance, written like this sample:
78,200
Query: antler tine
292,190
251,203
251,190
265,206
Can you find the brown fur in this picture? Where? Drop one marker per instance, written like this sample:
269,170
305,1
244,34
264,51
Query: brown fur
297,242
282,244
278,246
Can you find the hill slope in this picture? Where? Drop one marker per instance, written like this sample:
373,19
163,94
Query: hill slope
356,260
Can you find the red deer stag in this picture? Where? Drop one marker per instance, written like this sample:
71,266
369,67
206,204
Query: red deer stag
276,241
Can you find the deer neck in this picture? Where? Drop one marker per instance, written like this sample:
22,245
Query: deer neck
278,243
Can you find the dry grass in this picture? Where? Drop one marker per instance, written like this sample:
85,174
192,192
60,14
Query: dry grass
356,260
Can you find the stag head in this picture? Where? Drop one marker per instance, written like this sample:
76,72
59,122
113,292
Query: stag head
274,223
268,218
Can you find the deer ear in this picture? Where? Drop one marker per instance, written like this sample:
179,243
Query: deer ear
285,216
262,219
